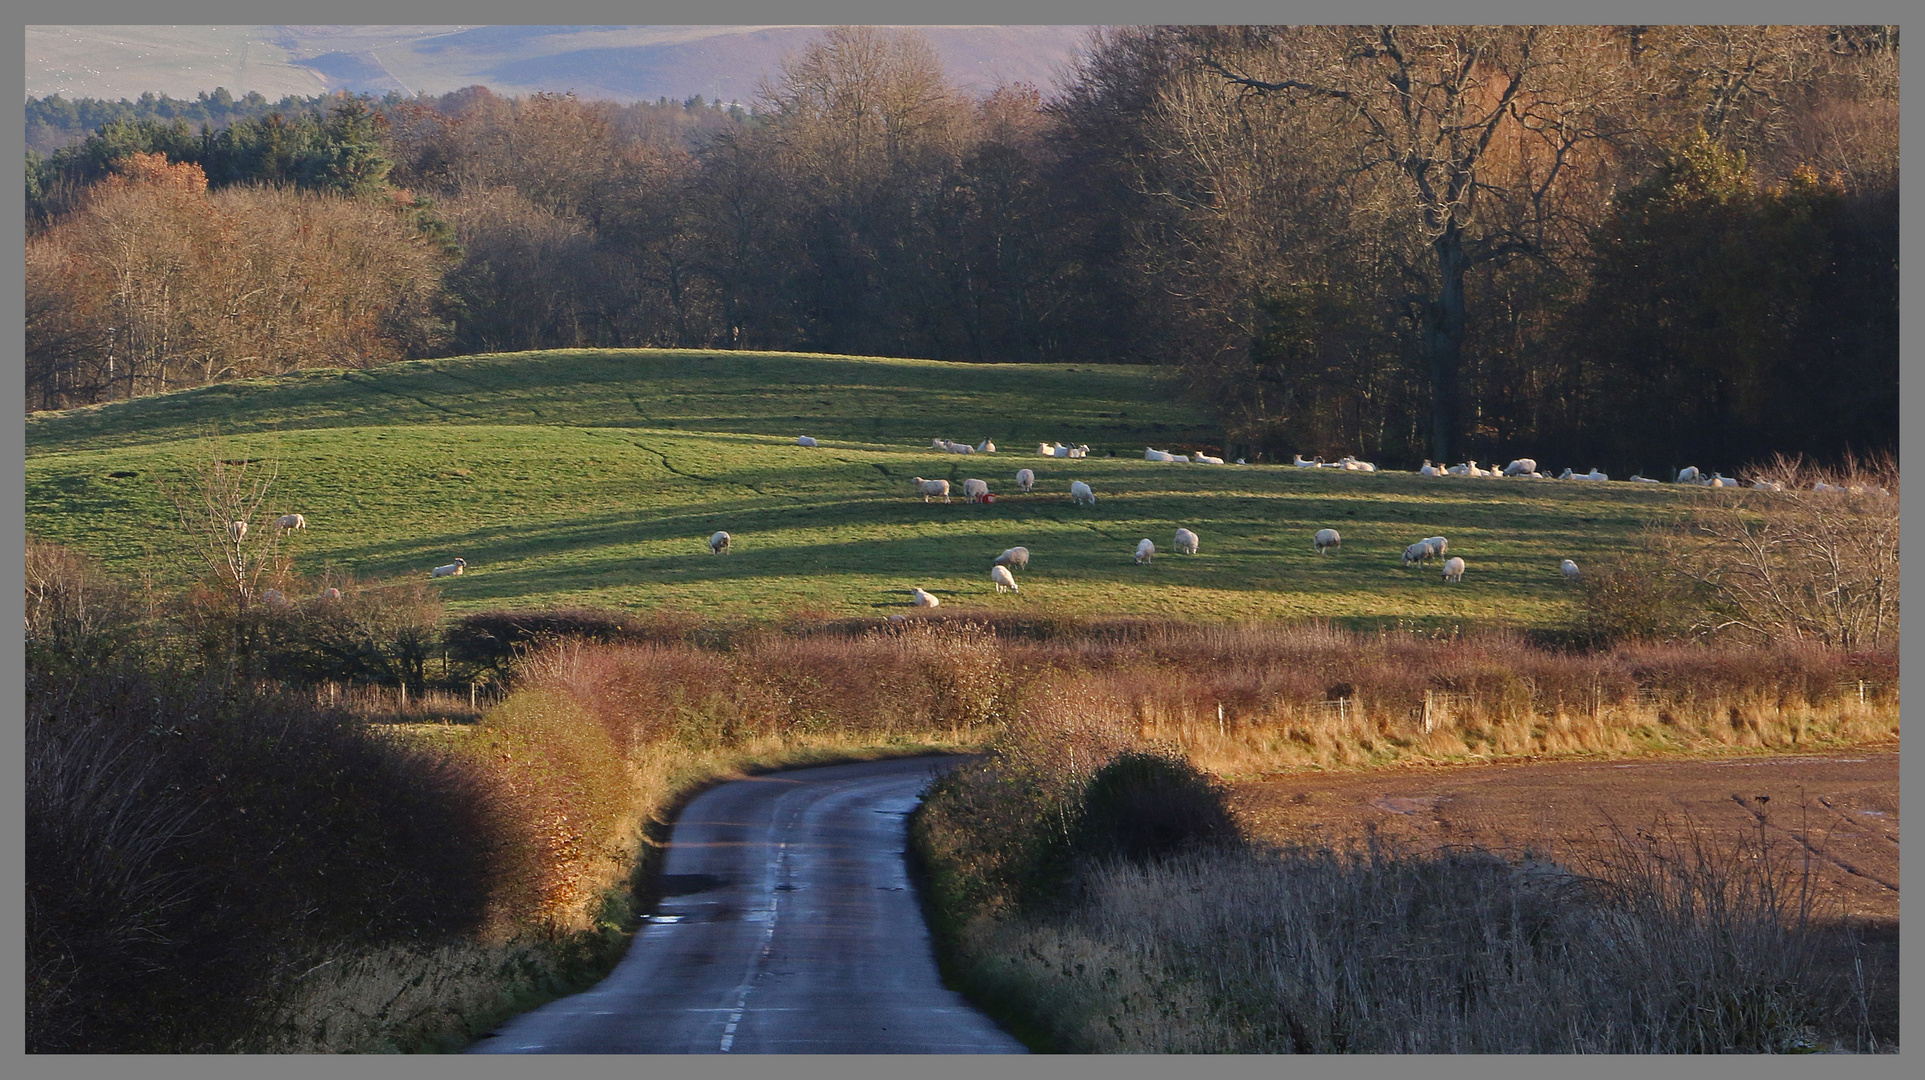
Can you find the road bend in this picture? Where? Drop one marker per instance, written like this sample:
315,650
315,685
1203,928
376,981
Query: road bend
788,926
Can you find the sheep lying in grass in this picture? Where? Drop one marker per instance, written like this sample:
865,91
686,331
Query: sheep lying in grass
289,522
985,447
1005,581
923,599
1151,453
931,488
1017,557
1145,551
975,490
1185,543
1636,479
1205,459
804,440
1454,570
1025,479
1080,492
1300,463
449,570
1325,540
719,543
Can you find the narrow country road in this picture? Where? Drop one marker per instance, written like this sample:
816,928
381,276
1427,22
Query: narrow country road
788,926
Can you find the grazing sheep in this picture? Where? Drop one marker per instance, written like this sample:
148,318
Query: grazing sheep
985,447
804,440
719,543
1185,543
1145,551
1688,475
330,593
919,598
1325,540
449,570
288,522
1454,569
1005,581
1568,569
1521,467
1025,479
931,488
1438,545
1416,553
975,490
237,531
1081,493
1017,557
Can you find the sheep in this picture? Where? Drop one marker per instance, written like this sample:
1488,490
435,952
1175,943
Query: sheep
931,488
1454,569
1463,470
1300,463
898,620
237,531
1438,545
1145,551
1017,557
273,598
1718,480
1025,479
1184,458
1595,474
1205,459
1767,485
961,448
719,543
1080,450
1568,569
1151,453
1005,581
1351,464
1416,553
975,491
449,570
1325,540
1521,467
985,447
939,444
1043,449
1185,543
1636,479
289,522
1689,474
330,593
919,598
1429,469
1823,488
1080,492
1059,450
804,440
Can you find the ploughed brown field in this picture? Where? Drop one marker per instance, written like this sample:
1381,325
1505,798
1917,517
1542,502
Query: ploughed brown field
1841,807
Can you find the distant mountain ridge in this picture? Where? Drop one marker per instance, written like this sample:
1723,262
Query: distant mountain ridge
622,63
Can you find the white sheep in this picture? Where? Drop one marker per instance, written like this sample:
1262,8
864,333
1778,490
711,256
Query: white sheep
1521,467
1454,569
985,447
1080,492
975,490
939,444
1568,569
1325,540
1767,485
1416,553
1151,453
1595,474
449,570
287,522
1636,479
1429,469
1043,448
237,531
1005,581
719,543
1463,470
1351,464
961,448
1017,557
1025,479
1205,459
1439,546
919,598
931,488
1688,475
1185,543
1299,462
804,440
1059,450
1184,458
1145,551
1080,450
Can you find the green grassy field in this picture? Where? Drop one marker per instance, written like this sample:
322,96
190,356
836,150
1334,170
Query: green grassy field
595,476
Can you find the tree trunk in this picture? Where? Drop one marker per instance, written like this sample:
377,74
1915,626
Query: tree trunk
1444,342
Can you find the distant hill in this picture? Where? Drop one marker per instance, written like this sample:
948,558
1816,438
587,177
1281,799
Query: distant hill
622,63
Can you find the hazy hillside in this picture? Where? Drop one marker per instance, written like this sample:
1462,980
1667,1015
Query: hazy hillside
625,63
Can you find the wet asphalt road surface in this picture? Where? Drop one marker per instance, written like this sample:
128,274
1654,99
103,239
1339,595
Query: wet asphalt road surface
788,926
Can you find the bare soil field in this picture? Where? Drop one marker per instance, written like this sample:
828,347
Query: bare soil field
1841,807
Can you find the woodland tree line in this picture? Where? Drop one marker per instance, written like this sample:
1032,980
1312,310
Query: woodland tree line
1630,247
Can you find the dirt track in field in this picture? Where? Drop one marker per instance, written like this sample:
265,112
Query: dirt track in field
1842,807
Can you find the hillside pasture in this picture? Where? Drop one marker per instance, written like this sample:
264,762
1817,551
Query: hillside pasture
595,477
